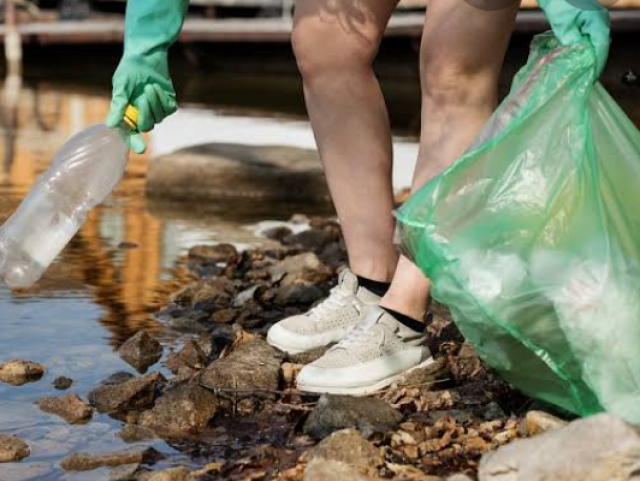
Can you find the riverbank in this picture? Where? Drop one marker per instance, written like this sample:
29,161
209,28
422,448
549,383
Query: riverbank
227,402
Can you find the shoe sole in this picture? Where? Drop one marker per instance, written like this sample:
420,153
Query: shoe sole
363,390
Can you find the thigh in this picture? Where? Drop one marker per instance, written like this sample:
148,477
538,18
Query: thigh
341,27
469,36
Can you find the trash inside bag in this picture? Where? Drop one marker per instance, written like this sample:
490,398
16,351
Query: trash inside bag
532,237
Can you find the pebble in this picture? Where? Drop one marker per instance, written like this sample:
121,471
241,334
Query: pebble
141,351
61,383
348,446
70,408
90,461
12,449
367,415
18,372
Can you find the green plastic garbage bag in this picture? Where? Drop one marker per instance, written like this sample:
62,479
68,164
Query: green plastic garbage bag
532,237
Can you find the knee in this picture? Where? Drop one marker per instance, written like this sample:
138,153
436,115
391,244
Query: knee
321,51
447,82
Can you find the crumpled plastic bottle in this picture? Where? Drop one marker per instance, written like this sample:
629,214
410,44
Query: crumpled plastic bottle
82,175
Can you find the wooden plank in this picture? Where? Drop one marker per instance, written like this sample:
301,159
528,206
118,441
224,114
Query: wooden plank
258,30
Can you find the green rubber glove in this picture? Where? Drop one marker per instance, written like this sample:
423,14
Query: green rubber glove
573,20
142,78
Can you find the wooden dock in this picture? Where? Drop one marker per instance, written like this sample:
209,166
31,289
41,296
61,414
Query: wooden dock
101,31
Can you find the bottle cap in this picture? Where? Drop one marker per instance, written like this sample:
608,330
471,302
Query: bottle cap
131,117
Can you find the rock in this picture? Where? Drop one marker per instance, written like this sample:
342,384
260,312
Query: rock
226,253
307,357
137,393
12,449
459,477
132,433
298,294
222,170
141,351
191,355
348,446
252,369
171,474
277,233
89,461
62,383
425,376
70,408
323,470
186,408
598,448
538,422
224,316
311,239
295,268
367,415
18,372
127,472
187,326
117,378
248,295
406,472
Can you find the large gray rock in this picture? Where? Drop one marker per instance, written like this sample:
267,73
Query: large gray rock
12,449
70,408
214,171
251,370
135,394
18,372
367,415
599,448
90,461
141,351
187,408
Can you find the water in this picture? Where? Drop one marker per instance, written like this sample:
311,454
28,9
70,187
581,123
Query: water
122,264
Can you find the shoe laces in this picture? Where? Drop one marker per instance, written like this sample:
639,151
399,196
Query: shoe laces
337,299
362,333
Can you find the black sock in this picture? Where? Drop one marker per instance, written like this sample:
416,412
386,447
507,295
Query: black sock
410,322
377,287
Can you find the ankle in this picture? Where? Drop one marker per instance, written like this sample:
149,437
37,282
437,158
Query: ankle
410,306
374,271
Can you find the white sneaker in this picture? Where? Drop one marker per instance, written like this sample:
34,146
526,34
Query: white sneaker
328,322
373,356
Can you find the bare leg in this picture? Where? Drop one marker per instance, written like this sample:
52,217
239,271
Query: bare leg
461,56
335,42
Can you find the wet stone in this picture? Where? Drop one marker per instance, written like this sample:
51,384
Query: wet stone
61,383
12,449
90,461
295,268
311,239
187,408
277,233
191,355
367,415
132,433
134,394
127,472
117,378
224,316
70,408
214,254
141,351
18,372
298,294
187,325
252,369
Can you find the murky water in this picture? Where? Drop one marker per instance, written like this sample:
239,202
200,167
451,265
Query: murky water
122,265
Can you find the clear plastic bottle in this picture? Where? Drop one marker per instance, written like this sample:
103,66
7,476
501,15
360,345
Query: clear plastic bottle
82,175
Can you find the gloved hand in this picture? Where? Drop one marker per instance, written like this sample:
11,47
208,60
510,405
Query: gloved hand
587,19
142,78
